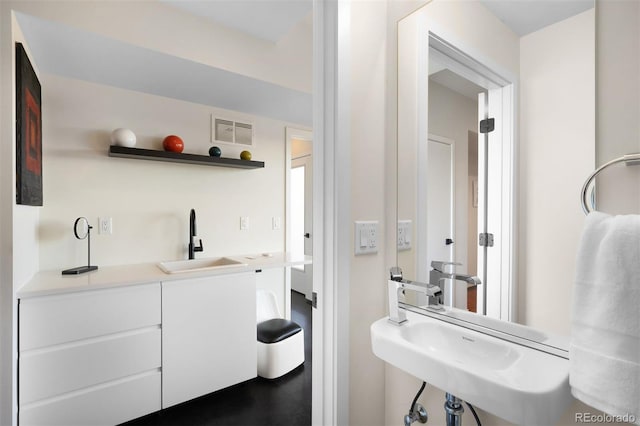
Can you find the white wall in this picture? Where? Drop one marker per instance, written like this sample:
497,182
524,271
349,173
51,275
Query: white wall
150,201
618,109
368,202
555,159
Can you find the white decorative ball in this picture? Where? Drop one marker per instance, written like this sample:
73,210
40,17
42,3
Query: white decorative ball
123,137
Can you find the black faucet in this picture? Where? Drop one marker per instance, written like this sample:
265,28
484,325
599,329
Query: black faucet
192,234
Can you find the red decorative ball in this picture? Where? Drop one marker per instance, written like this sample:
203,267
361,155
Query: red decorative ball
173,143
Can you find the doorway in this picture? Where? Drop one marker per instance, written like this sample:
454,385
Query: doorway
441,193
300,207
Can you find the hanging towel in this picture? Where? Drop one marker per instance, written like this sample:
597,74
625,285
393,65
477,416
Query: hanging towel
604,366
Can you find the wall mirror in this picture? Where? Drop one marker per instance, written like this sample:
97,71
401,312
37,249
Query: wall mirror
465,74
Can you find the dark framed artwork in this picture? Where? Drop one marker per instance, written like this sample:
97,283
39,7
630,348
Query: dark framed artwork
28,132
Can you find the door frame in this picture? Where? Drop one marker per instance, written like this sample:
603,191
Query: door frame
331,211
496,208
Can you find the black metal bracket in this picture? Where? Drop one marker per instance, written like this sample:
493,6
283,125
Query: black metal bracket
487,125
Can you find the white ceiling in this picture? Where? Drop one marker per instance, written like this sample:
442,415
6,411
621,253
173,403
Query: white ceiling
527,16
272,19
453,81
266,19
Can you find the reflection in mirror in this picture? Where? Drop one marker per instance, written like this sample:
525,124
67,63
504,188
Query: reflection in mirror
461,94
459,173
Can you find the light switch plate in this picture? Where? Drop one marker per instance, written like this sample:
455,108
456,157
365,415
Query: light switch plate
405,232
366,237
105,226
276,223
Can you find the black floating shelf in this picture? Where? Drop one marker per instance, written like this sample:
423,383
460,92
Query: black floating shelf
178,157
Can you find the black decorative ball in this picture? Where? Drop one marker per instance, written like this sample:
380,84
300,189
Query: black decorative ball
214,151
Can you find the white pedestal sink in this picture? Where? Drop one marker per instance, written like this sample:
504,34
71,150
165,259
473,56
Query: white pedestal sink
517,383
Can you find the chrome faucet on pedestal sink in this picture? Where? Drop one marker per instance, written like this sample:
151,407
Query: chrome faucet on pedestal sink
398,284
192,236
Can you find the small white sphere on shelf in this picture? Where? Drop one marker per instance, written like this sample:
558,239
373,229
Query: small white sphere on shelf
123,137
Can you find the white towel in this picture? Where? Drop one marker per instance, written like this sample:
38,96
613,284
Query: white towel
604,366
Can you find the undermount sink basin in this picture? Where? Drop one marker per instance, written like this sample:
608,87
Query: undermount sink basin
518,383
193,265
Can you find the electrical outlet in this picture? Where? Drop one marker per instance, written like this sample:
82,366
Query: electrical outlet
105,226
244,223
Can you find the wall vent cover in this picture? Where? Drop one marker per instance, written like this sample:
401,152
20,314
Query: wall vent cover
233,132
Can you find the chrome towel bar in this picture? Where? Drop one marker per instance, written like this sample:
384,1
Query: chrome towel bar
628,159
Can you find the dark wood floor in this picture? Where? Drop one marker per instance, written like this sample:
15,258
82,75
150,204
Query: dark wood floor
284,401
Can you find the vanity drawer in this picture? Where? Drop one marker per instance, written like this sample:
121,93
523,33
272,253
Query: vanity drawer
45,373
52,320
108,404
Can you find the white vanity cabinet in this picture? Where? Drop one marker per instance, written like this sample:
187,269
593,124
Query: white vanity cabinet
208,334
90,357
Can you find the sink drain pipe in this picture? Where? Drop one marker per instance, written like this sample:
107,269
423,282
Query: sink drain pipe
454,410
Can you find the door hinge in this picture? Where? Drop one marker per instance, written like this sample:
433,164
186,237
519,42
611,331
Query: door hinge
487,125
485,239
314,300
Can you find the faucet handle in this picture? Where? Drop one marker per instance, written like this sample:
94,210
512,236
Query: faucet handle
439,265
396,273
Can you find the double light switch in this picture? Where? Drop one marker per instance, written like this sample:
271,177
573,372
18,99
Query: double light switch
366,237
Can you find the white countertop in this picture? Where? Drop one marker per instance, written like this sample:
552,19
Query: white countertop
53,282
